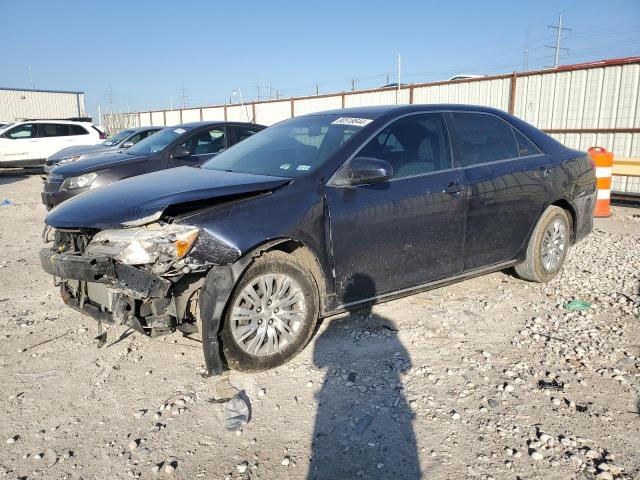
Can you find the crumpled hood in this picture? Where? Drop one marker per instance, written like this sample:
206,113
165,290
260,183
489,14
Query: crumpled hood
148,195
77,150
96,162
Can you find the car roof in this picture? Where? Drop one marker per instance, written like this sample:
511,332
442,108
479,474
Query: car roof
214,122
54,120
399,109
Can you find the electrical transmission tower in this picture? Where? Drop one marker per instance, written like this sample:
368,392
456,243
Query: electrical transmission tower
183,96
559,29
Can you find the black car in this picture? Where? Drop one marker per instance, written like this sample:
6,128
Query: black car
188,144
317,215
121,140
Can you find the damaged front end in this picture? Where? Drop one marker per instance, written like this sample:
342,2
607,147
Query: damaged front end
147,277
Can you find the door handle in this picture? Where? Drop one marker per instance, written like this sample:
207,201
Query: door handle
453,189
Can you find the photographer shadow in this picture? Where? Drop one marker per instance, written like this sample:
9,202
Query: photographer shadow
364,425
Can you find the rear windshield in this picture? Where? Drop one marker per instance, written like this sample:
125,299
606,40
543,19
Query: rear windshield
157,141
291,148
118,137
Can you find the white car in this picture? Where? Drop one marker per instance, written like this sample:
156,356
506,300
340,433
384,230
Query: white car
30,142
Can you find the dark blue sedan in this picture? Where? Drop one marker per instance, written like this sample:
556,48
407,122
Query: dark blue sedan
317,215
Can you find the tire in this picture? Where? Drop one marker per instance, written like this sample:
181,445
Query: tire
280,266
535,268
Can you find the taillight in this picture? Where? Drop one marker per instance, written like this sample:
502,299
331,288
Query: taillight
103,136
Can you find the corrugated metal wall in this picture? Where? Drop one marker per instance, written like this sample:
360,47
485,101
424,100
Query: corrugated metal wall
21,104
581,105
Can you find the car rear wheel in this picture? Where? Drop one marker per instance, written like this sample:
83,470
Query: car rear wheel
548,246
272,314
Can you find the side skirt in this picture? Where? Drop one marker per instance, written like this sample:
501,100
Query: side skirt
385,297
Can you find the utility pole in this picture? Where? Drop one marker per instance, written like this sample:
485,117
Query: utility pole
183,96
269,89
387,82
525,62
110,95
170,103
317,89
31,77
559,29
399,71
257,91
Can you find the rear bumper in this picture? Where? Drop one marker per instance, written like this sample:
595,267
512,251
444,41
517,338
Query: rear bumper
583,207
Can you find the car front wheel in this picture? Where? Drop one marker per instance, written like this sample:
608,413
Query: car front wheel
548,246
272,313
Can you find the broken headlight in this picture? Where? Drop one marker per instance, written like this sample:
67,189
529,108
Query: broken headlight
78,182
144,245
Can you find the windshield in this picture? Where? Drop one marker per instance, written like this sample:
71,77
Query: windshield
118,137
289,149
157,141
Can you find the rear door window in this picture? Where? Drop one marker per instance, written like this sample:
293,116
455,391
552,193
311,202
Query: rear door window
525,146
53,130
244,132
481,138
78,130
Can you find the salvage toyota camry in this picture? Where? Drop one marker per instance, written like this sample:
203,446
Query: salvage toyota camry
317,215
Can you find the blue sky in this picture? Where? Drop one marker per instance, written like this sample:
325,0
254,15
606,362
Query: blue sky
146,51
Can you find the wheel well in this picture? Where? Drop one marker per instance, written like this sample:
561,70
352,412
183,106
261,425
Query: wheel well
566,206
306,257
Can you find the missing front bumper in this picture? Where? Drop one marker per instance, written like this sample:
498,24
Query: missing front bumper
111,292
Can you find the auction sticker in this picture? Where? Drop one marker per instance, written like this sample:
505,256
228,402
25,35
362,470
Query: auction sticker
179,131
356,122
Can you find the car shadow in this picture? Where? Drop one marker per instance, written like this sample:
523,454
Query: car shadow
12,175
364,425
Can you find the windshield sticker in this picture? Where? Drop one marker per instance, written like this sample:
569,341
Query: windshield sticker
303,168
285,166
356,122
179,131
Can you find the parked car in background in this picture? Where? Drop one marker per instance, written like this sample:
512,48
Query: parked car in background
29,143
121,140
317,215
5,124
189,144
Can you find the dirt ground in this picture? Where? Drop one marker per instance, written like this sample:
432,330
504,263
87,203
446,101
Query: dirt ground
488,378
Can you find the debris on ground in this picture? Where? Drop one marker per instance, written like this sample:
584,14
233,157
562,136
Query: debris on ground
236,413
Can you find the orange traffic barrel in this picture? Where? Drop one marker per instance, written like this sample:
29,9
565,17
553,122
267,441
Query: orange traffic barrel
604,166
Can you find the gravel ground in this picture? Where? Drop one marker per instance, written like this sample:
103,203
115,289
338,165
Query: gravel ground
488,378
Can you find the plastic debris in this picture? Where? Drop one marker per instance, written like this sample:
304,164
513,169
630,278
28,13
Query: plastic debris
553,385
363,424
6,203
236,413
577,305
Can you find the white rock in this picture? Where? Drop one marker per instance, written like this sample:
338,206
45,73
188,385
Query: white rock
285,461
536,455
242,467
455,415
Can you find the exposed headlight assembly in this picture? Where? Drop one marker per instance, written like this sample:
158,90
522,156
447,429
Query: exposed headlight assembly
140,246
79,182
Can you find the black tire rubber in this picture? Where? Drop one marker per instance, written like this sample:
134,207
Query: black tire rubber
271,262
531,269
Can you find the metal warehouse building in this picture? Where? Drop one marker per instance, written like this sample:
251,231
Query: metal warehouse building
18,104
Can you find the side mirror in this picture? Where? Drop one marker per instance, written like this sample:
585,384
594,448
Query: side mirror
128,144
362,170
181,152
